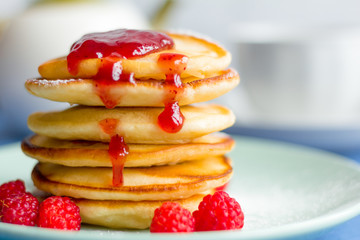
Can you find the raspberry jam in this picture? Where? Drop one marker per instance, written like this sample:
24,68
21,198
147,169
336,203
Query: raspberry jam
111,73
172,64
171,119
111,47
109,125
118,149
123,43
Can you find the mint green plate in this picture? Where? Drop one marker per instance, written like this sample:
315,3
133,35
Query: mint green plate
285,191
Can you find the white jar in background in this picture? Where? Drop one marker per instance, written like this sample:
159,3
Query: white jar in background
44,32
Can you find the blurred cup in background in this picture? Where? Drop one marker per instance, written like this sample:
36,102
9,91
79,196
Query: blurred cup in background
296,76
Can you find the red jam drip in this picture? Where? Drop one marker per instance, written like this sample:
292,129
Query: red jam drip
110,73
171,119
118,149
111,47
124,43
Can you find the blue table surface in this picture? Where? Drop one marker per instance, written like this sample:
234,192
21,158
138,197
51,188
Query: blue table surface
349,230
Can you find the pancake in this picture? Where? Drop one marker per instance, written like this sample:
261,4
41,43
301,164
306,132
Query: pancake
205,57
152,183
136,125
127,214
95,154
143,93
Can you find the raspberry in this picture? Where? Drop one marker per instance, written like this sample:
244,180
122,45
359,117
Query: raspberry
171,217
59,213
11,188
21,209
218,212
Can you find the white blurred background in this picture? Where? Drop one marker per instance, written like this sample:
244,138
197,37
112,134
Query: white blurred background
299,60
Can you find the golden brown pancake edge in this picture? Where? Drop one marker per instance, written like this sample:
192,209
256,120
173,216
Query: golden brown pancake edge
160,190
143,93
95,154
127,214
136,125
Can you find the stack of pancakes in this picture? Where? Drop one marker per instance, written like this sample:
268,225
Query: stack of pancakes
72,146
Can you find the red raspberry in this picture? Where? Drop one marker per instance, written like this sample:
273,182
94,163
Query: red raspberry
21,209
218,212
59,213
171,217
11,188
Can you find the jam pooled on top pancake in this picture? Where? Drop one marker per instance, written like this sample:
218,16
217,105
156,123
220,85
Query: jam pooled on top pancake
111,47
123,43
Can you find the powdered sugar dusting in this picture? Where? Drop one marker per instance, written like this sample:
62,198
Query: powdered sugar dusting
279,187
55,82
